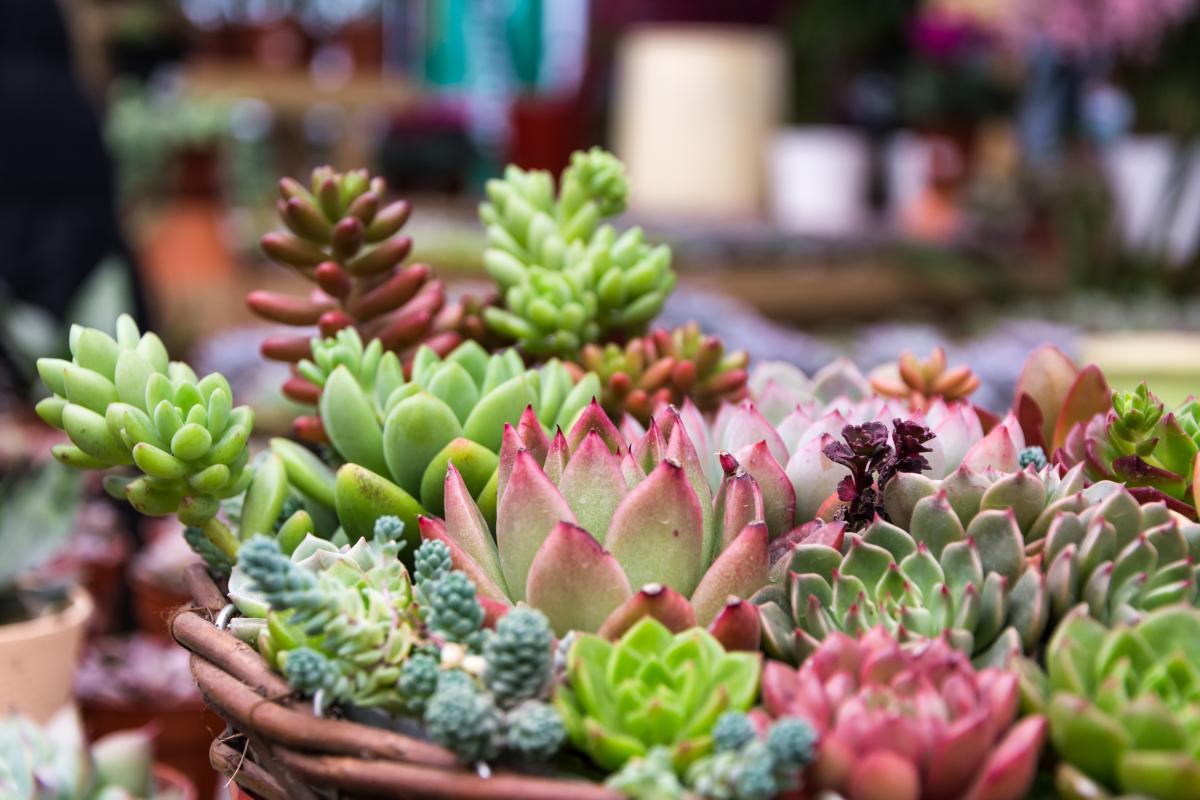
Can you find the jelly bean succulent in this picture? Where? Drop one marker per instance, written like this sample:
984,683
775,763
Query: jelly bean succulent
919,382
122,402
666,367
596,534
1139,443
1124,707
652,688
344,236
567,279
907,722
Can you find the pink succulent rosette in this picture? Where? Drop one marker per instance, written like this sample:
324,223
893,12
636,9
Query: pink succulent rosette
913,722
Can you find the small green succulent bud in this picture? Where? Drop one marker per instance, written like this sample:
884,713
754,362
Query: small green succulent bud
418,681
390,529
431,562
793,743
308,671
534,731
519,657
1032,455
732,731
649,777
464,720
754,776
290,506
454,610
216,559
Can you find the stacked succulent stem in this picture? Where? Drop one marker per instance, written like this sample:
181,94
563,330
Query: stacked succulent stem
343,237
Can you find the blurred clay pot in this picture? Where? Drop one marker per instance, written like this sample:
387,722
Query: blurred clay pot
38,658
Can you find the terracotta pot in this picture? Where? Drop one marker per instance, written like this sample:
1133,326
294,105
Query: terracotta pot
181,740
170,780
153,604
38,658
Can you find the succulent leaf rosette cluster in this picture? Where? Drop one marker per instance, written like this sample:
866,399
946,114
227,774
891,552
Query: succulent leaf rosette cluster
652,688
450,410
596,533
907,722
122,402
1124,706
919,382
566,278
343,236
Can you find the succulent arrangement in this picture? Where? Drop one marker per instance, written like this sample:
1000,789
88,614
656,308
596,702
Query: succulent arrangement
626,556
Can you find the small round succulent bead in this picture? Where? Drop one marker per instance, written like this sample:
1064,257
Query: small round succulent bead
535,731
733,730
308,671
465,721
650,777
454,610
431,561
454,677
290,506
754,775
1032,455
418,681
389,529
792,742
519,656
214,557
274,574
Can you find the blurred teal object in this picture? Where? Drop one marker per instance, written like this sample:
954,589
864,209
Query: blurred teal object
449,48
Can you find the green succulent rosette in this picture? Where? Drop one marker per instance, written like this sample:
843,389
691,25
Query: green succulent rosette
121,401
1124,706
1139,443
567,279
652,688
977,589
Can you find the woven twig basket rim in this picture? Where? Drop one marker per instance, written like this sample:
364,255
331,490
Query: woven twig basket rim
293,749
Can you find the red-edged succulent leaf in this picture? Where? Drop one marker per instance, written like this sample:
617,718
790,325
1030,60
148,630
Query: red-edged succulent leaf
532,435
1088,396
740,571
466,526
779,496
1009,771
655,600
1032,421
528,511
738,626
739,501
657,532
574,581
884,775
593,418
995,451
1046,378
593,484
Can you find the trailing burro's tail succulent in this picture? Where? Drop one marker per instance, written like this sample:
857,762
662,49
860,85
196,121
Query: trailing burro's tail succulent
344,237
122,402
566,278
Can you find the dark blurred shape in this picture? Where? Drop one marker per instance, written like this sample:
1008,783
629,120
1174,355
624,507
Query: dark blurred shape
57,214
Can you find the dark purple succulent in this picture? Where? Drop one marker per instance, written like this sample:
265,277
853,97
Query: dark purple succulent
872,462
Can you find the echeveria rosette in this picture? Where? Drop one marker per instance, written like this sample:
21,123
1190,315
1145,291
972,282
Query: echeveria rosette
919,382
1124,706
342,235
666,367
1139,443
451,409
907,722
652,688
349,612
975,588
121,401
1096,545
597,534
565,278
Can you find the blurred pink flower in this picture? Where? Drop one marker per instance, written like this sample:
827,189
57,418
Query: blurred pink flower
1131,28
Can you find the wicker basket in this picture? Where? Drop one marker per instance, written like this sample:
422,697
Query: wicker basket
277,749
